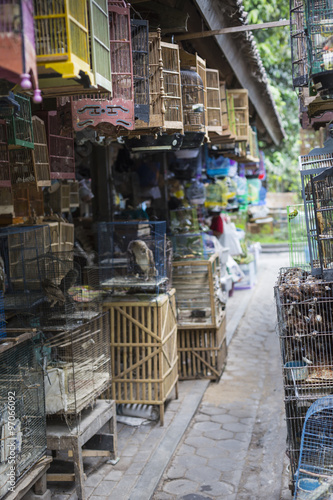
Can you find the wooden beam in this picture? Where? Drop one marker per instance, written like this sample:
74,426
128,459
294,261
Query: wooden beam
234,29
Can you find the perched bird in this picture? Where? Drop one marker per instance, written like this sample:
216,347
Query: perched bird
53,292
141,259
2,276
293,214
69,280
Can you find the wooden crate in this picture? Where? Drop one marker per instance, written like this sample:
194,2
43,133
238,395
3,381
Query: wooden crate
144,349
202,351
197,283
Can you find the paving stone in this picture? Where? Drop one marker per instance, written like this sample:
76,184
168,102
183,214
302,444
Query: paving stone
130,451
181,487
201,417
195,496
135,468
186,449
176,471
94,479
123,463
223,464
219,434
162,495
200,442
190,461
235,427
213,452
210,410
104,488
207,426
202,474
114,475
218,489
222,418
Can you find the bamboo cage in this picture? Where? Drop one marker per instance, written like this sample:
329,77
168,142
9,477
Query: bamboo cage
298,44
59,132
140,55
197,283
238,101
193,101
214,114
28,200
58,200
17,45
74,199
143,338
4,157
202,351
19,125
165,94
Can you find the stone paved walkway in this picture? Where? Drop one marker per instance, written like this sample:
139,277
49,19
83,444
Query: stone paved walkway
235,445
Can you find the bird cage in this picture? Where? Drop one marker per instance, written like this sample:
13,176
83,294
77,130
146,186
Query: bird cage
78,367
298,241
313,163
4,157
40,153
121,57
62,40
100,43
253,153
132,255
188,246
314,476
319,29
304,324
57,199
27,200
184,220
322,190
101,112
74,199
140,55
165,95
19,124
17,45
224,110
22,408
193,101
298,44
214,115
239,102
59,132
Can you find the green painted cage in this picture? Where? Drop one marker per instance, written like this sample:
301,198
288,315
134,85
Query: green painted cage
299,255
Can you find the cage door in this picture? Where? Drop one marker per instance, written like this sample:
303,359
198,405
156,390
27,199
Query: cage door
100,43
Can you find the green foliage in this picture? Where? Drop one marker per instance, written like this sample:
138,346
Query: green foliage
274,48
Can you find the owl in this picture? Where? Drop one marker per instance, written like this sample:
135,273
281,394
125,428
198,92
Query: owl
141,259
53,293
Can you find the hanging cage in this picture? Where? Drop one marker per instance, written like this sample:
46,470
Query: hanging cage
17,45
298,242
298,44
319,28
214,115
193,107
238,102
19,122
22,408
4,157
140,55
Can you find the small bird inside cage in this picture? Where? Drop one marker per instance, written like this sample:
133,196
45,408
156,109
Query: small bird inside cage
141,259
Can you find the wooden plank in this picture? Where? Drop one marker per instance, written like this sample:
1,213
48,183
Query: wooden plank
29,479
61,477
234,29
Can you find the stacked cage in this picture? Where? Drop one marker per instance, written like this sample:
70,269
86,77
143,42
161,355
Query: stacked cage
22,408
132,256
313,163
298,44
140,55
314,474
18,119
304,310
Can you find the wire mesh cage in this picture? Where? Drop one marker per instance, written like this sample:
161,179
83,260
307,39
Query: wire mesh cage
4,157
193,101
17,44
298,242
132,255
22,408
40,153
27,200
314,474
19,124
313,163
59,132
78,366
319,28
184,220
140,55
62,37
100,43
322,187
189,246
214,115
121,56
298,38
224,110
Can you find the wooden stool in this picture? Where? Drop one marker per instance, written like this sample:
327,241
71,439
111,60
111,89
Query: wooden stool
60,437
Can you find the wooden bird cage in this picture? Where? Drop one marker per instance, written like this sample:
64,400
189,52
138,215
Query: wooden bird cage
28,200
19,124
214,115
253,145
58,126
164,87
62,41
298,44
100,43
17,44
225,111
239,101
140,55
25,169
40,153
74,199
193,101
121,59
4,157
58,200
